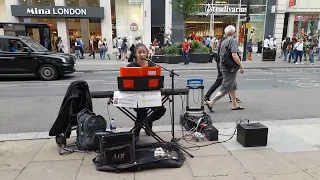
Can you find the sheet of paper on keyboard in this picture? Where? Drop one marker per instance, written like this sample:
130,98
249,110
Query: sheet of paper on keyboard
125,99
149,99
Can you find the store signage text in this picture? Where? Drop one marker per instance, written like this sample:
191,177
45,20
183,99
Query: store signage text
57,11
211,8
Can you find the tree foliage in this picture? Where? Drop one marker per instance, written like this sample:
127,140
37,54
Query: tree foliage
187,7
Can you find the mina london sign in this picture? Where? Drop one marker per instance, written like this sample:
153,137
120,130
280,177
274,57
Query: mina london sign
211,9
57,11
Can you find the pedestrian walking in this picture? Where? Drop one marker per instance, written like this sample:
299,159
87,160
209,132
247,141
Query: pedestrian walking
219,79
185,51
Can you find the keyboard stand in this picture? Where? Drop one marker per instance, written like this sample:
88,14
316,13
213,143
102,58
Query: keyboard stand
142,124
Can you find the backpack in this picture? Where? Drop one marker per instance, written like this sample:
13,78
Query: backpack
88,125
226,58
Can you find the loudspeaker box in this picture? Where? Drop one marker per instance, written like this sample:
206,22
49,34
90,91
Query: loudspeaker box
252,134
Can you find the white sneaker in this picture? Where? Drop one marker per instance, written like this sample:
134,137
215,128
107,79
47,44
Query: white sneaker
296,63
302,63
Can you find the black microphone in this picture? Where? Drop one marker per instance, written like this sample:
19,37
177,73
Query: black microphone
145,59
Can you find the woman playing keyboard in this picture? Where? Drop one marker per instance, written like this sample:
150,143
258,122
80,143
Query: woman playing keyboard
141,52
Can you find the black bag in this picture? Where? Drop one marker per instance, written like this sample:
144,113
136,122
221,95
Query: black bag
88,125
227,59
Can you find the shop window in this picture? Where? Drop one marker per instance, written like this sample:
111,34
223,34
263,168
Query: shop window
226,2
257,10
90,3
254,2
37,2
306,25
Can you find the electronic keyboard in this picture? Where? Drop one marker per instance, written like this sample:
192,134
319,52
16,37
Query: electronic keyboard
164,92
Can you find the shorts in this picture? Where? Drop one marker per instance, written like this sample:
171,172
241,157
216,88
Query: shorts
229,82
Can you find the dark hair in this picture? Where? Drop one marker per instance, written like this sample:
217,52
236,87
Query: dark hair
133,53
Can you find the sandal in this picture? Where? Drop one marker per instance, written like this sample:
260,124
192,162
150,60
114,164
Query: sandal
209,107
237,108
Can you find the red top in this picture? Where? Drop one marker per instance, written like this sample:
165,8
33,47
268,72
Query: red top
185,46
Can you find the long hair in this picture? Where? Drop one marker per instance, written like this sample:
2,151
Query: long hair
133,56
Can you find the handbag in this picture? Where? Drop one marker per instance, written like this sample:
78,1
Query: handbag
227,59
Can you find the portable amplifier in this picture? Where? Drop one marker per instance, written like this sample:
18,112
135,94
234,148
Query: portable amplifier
211,133
252,134
117,148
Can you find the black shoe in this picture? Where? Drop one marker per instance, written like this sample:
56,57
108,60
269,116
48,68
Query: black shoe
149,126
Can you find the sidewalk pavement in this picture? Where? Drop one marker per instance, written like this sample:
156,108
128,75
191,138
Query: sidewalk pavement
292,154
93,65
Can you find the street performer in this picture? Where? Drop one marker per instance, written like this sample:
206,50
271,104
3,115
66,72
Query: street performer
140,53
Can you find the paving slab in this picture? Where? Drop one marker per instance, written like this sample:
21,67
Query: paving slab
291,176
314,172
88,172
304,160
10,174
50,153
215,166
307,133
54,170
265,161
245,176
166,174
15,155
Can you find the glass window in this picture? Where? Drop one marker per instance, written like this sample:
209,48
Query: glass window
306,24
254,2
222,2
37,2
257,10
90,3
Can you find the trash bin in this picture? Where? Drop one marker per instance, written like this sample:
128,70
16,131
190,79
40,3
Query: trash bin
269,55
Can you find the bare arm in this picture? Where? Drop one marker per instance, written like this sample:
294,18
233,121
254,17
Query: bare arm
237,59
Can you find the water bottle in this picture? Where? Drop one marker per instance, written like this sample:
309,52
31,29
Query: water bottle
113,125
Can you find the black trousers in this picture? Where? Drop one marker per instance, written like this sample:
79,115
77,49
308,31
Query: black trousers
216,84
142,114
93,53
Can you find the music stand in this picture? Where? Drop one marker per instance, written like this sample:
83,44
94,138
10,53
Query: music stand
172,74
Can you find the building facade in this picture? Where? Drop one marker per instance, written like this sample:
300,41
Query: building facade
297,18
217,14
95,19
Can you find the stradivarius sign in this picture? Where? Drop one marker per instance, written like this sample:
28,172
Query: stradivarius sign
57,11
211,9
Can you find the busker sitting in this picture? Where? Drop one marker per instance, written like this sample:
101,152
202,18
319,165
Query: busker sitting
141,51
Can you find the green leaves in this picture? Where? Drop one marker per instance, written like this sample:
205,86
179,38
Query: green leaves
187,7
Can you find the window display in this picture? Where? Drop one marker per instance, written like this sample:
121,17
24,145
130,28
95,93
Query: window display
306,25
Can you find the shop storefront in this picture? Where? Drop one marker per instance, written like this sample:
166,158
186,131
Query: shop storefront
216,15
298,19
88,19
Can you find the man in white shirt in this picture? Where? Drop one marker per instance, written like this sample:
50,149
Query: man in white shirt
119,44
266,43
298,47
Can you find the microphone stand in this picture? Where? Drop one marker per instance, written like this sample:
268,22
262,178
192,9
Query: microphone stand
172,74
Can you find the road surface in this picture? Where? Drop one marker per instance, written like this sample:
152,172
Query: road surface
29,105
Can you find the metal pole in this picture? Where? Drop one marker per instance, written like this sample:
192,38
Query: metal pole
244,58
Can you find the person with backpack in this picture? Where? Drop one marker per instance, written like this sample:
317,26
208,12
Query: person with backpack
230,63
218,81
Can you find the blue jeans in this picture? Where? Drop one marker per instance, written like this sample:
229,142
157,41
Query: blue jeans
102,53
311,57
285,54
299,54
186,57
292,54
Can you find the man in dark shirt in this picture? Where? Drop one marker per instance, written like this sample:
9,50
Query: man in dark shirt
218,81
